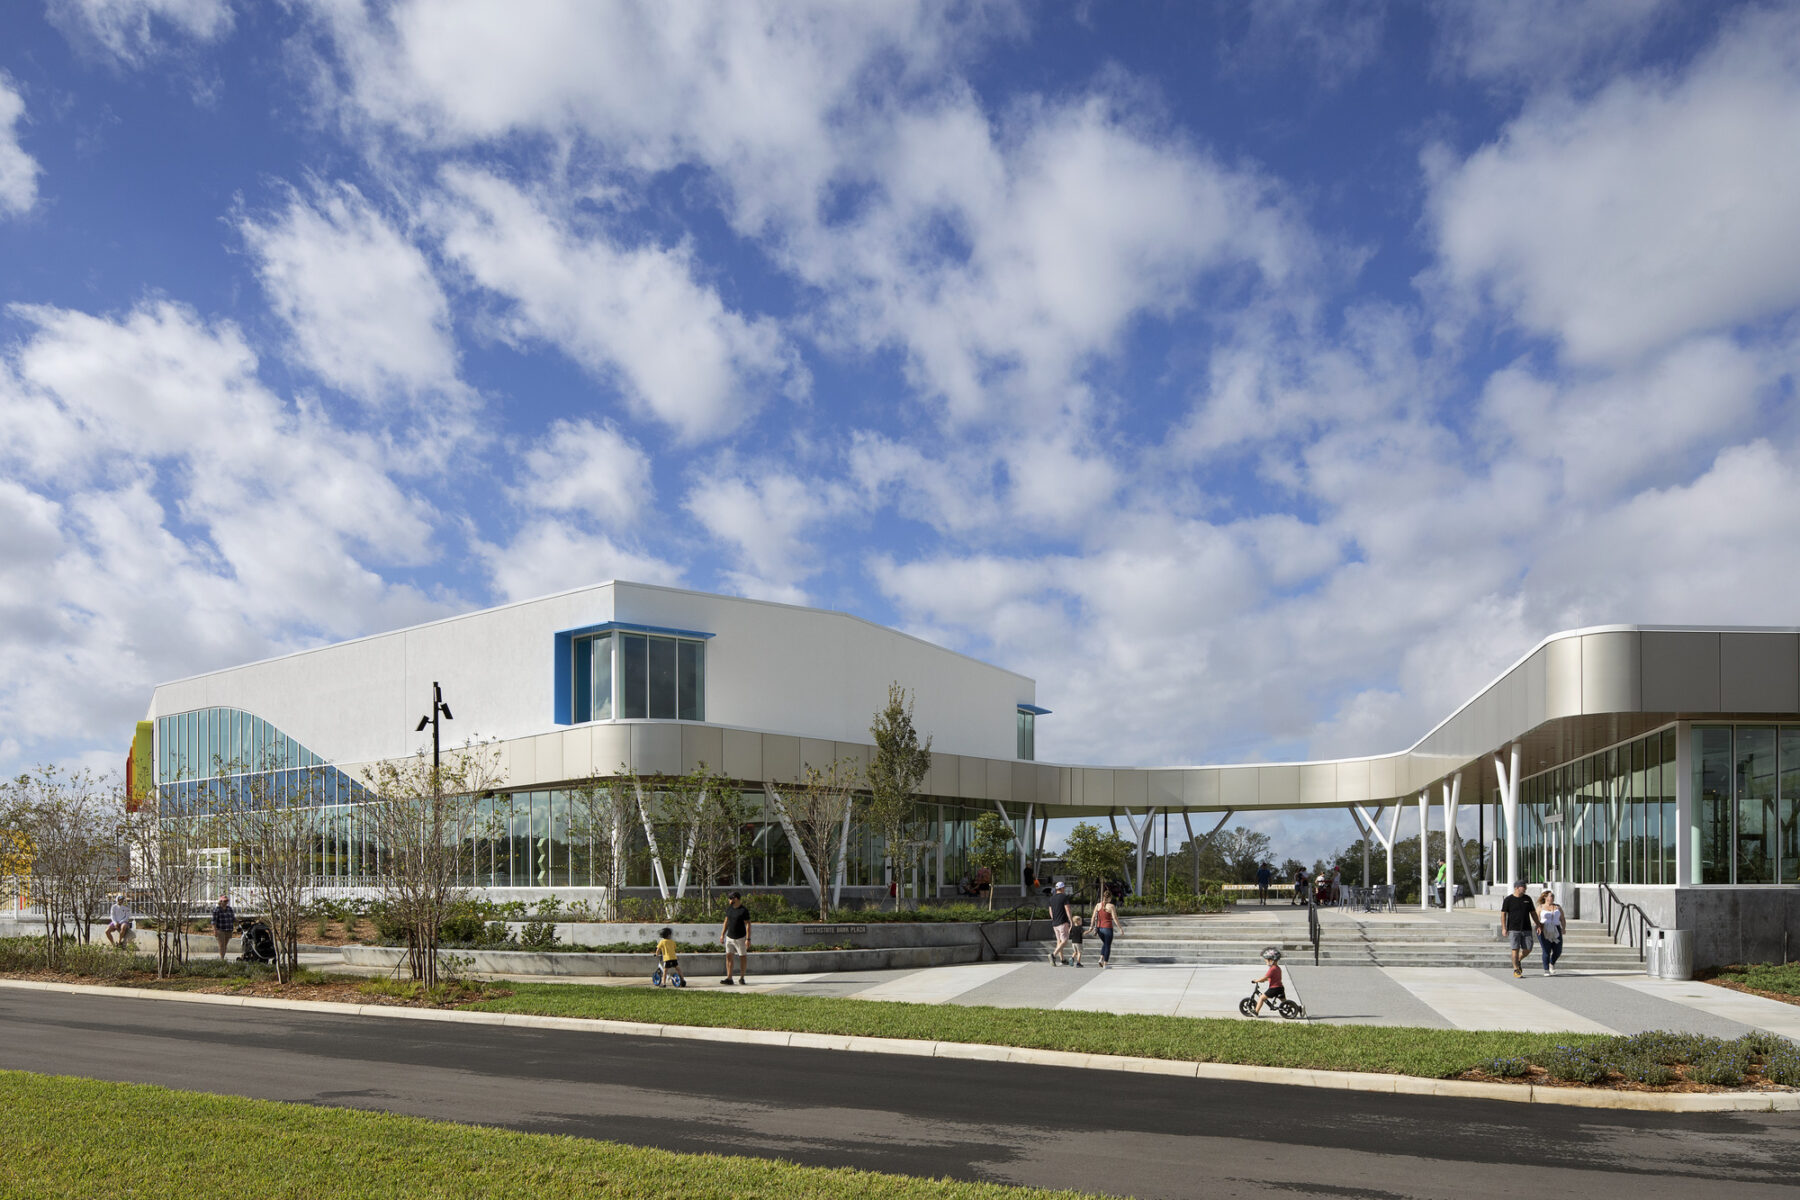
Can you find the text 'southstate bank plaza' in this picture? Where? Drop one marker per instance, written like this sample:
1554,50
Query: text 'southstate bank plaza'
1664,762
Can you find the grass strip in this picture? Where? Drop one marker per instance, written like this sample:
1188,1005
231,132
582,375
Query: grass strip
82,1138
1432,1053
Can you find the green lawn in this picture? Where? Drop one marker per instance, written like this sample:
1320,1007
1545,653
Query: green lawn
1434,1053
63,1138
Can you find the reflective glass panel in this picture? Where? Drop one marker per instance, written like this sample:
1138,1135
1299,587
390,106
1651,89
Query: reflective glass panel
1788,841
1713,801
662,678
600,690
634,668
581,684
1756,827
692,681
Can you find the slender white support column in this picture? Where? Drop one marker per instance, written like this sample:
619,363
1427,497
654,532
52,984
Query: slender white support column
1509,809
1392,833
837,878
1425,849
1387,839
793,837
656,866
1365,842
943,839
1141,833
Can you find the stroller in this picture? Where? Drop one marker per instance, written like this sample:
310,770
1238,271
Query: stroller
258,940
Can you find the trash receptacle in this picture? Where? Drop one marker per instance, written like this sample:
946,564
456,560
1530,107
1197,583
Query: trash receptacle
1654,948
1678,954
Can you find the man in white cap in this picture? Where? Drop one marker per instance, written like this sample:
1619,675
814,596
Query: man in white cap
1059,921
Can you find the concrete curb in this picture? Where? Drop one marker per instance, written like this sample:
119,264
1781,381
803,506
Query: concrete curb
1348,1081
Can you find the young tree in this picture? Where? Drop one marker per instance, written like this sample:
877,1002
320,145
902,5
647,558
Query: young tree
1096,856
601,810
427,819
991,848
717,832
898,767
168,873
72,822
269,820
816,814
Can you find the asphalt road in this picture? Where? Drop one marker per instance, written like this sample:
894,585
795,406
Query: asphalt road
1099,1130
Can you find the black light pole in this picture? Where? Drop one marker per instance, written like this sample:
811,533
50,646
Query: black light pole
437,706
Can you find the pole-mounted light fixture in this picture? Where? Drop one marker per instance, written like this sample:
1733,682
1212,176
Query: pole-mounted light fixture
438,707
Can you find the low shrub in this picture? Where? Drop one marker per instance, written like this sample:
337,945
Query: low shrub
1782,1065
1720,1070
538,935
1574,1064
1507,1068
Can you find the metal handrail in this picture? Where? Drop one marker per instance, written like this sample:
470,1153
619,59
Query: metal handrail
1312,928
1609,903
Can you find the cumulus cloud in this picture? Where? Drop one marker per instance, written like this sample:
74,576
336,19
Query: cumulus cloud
586,467
1538,42
548,555
634,315
131,31
18,170
767,518
364,310
1662,207
167,513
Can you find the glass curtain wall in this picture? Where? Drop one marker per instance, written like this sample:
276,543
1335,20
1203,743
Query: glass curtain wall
1609,816
1747,799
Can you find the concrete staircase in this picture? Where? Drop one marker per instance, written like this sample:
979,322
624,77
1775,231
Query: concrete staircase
1463,938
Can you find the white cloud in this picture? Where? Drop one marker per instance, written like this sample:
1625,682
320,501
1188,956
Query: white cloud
166,513
1661,208
767,517
551,556
131,31
18,170
360,301
1612,432
1535,42
634,315
586,467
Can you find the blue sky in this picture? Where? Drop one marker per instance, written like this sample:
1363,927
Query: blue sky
1261,379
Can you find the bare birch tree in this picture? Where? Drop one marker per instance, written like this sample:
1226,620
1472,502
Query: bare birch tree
427,820
817,813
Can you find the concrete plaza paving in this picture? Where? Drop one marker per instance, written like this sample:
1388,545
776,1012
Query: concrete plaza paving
1434,998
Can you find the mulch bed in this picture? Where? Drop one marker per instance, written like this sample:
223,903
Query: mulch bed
1784,997
1538,1077
340,991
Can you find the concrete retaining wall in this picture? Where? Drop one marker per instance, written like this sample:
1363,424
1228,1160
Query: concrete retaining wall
762,962
769,934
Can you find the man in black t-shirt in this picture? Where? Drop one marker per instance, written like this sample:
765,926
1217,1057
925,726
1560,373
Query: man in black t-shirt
734,935
1518,917
1059,922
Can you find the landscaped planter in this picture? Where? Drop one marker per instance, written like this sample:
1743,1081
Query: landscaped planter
762,962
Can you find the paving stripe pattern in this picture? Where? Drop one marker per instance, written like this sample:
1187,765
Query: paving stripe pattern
937,987
1475,999
1758,1012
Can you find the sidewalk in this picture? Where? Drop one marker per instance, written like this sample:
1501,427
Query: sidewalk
1432,997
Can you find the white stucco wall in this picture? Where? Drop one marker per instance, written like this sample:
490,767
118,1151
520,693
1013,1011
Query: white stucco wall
805,672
